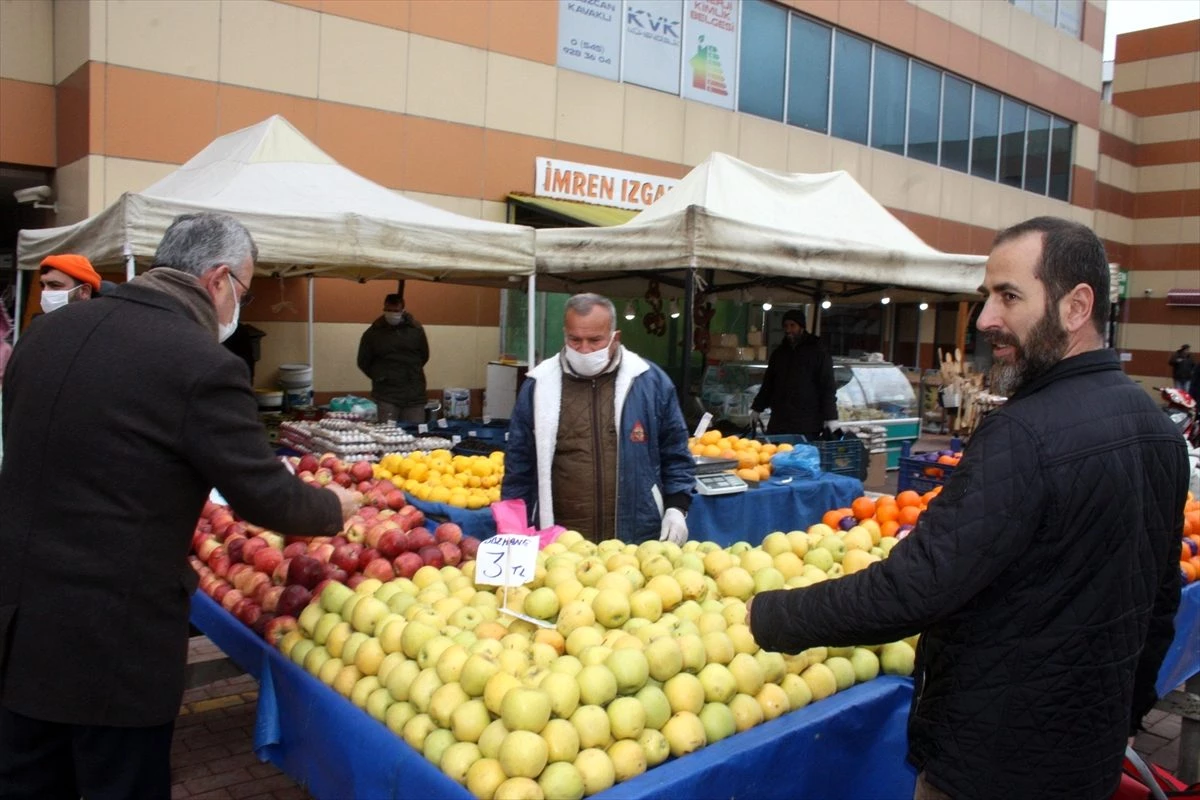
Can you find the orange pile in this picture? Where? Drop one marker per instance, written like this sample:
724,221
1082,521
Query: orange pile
1189,555
753,456
891,513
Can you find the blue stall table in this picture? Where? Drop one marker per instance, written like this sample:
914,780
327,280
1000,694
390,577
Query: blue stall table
851,745
773,505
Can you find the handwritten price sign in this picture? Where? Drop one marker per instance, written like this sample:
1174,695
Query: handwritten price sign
506,560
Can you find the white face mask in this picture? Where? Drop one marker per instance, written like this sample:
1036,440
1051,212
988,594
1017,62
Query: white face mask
393,317
225,330
54,299
589,365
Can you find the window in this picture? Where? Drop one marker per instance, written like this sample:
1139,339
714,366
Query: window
764,53
1060,159
1045,10
808,75
956,123
888,101
851,87
985,128
1066,15
1037,151
924,108
1012,142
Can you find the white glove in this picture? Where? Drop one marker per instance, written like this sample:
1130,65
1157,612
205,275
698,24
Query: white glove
832,424
756,418
674,527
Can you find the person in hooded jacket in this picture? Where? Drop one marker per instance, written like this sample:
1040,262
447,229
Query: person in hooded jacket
798,386
393,353
1044,578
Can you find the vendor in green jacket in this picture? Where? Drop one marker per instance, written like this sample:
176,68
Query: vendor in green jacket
393,353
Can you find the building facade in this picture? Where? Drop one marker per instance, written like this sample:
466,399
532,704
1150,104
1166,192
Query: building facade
961,116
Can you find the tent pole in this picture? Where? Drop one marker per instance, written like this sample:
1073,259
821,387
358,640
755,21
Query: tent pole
689,326
531,320
17,308
311,354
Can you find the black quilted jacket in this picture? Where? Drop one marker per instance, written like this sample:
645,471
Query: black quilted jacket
1045,581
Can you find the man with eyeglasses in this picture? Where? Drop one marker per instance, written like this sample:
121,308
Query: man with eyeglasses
122,414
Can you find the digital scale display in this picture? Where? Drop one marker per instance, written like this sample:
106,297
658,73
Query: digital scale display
720,483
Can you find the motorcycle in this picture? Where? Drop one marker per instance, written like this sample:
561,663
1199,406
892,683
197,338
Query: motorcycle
1182,411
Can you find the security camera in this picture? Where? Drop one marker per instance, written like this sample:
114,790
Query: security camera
34,194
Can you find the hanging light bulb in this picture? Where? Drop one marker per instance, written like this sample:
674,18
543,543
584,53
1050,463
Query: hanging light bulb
767,305
885,300
924,306
674,309
827,304
630,310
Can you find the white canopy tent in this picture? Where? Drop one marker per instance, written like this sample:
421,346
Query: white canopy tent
309,216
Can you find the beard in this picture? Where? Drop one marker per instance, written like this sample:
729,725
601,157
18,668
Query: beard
1044,347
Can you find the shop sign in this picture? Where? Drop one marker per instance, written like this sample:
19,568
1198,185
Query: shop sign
589,37
653,37
602,186
710,39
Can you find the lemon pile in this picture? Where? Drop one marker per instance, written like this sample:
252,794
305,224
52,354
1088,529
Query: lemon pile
753,456
439,476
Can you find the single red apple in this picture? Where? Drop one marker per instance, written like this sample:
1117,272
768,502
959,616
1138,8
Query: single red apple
254,583
391,543
407,564
420,537
396,500
448,532
343,479
231,599
367,513
432,556
278,627
270,598
293,600
267,559
249,612
294,549
380,568
322,552
355,579
362,470
279,576
260,625
346,556
251,547
219,561
308,463
220,590
205,550
450,552
305,571
328,461
368,555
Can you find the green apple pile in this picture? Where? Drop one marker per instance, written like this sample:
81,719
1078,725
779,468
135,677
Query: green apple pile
645,656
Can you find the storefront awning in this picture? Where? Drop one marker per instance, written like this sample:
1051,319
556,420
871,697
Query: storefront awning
571,211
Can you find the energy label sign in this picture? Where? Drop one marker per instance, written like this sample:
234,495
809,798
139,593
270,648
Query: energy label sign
710,51
588,183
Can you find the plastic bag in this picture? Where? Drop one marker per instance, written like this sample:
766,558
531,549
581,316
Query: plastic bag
511,517
802,461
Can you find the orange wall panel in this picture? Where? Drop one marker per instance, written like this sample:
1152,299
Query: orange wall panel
1093,27
156,117
1083,187
860,16
509,162
1155,311
1163,256
239,107
1179,152
1160,100
524,29
369,142
1121,149
443,158
463,21
1167,40
27,123
73,104
388,13
1151,205
898,25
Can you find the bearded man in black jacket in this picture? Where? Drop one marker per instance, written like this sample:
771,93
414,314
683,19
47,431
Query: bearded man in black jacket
1043,578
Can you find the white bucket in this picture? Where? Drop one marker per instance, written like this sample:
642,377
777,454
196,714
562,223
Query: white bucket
295,376
456,403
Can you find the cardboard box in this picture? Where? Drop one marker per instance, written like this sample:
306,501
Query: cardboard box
754,338
876,469
728,340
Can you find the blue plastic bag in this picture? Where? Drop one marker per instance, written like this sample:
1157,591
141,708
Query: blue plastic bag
802,461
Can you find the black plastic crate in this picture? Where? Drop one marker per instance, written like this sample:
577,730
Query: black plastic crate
475,446
920,475
846,456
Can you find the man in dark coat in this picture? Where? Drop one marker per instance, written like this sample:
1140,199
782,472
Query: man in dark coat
1044,577
121,414
393,353
798,385
1182,367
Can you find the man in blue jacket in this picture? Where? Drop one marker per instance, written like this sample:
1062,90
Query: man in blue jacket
597,442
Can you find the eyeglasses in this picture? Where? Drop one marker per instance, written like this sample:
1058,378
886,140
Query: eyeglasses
247,295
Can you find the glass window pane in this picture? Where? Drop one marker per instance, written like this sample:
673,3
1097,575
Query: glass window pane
851,87
1060,159
808,78
1012,142
764,51
1070,15
888,101
1037,151
1044,10
924,105
956,123
984,129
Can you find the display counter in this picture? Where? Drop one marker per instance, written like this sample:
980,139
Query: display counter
748,516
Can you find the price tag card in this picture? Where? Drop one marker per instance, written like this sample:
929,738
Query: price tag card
441,423
422,428
506,560
702,425
456,439
472,434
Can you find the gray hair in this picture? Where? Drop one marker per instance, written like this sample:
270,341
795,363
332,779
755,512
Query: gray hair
197,243
583,304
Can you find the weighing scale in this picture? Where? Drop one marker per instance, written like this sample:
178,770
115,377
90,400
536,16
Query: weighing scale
713,476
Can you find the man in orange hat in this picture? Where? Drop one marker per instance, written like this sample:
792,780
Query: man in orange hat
67,278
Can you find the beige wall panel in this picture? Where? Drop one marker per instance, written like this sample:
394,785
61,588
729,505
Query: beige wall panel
1129,77
362,64
968,14
1114,227
1070,57
72,35
1084,216
985,204
1124,176
179,37
1189,230
1013,206
1104,170
994,25
1158,282
853,158
467,206
1046,45
590,111
924,188
1187,279
1107,122
287,343
493,211
1191,176
446,81
520,96
1167,230
941,8
1168,127
27,40
1172,70
127,175
653,124
707,129
459,355
1090,62
79,189
762,142
1124,125
1139,336
955,202
272,46
1161,178
1087,147
808,151
889,178
1022,33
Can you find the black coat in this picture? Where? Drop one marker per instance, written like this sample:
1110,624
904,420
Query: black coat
798,388
394,357
1045,580
120,414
